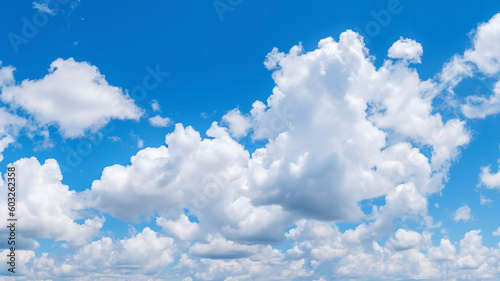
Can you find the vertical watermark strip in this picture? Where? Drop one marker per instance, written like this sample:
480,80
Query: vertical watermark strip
11,218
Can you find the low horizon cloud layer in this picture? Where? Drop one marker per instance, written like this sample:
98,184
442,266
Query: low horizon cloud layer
345,142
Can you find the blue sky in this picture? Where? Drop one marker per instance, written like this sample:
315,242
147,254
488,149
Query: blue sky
348,134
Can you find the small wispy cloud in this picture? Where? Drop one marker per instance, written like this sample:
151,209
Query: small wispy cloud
43,7
140,142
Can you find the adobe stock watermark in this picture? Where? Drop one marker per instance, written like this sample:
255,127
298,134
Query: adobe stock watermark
211,187
32,26
74,155
381,19
223,6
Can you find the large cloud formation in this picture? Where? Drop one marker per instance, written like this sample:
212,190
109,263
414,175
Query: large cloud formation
345,142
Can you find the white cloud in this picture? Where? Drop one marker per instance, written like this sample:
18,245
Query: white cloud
47,207
481,107
455,71
444,252
139,141
4,142
182,228
238,125
23,257
484,55
10,126
342,134
146,252
472,253
406,49
170,178
220,248
483,58
73,95
486,50
339,133
6,75
405,240
43,7
358,137
496,232
158,121
483,200
155,105
462,213
488,179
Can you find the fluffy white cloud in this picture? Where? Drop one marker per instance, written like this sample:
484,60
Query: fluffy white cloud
73,95
182,228
6,75
238,124
406,49
358,137
220,248
407,239
341,135
486,50
347,110
22,263
496,232
147,252
462,213
481,107
189,173
10,125
488,179
47,207
483,58
137,257
158,121
444,252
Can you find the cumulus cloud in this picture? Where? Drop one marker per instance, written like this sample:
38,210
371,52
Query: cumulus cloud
139,256
480,106
489,179
168,177
47,207
485,53
462,213
238,124
444,252
406,239
358,137
406,49
220,248
10,124
75,96
181,228
483,58
340,135
158,121
147,250
4,142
